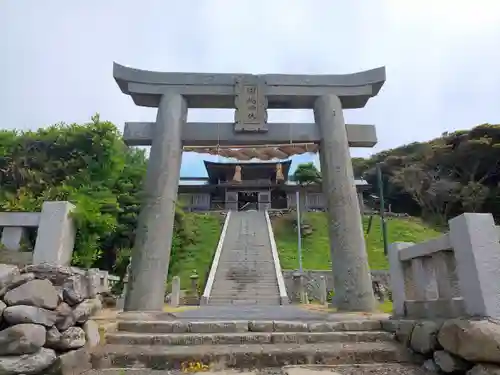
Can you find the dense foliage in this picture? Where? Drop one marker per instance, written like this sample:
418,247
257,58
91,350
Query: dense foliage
90,166
457,172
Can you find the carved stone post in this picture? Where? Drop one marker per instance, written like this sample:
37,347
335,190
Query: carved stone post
194,283
323,294
151,254
352,279
176,291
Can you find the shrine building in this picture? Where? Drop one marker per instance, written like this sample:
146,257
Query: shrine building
251,186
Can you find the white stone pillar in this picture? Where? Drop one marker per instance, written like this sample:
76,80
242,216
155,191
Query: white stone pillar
151,256
56,234
352,279
475,241
398,278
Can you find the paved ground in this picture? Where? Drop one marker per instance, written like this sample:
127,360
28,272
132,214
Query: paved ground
378,369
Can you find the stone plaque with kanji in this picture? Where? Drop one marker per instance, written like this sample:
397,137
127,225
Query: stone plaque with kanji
250,104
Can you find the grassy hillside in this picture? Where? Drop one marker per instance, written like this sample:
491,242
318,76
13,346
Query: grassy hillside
197,255
316,250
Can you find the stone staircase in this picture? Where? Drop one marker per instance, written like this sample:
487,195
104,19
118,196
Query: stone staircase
173,345
245,273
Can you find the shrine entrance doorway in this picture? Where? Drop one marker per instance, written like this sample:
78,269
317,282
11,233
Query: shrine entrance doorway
248,200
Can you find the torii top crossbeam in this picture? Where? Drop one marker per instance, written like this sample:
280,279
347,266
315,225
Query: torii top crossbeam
251,96
217,90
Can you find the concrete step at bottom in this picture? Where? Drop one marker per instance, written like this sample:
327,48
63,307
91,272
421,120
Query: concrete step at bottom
362,369
246,356
130,338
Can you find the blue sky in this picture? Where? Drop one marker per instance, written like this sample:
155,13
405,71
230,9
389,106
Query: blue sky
442,58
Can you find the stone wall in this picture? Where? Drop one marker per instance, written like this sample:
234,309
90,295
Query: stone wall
44,319
312,280
458,346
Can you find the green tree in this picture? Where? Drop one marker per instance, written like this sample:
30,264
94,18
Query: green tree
306,174
90,166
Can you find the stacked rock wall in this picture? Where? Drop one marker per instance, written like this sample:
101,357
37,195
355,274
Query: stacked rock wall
455,346
44,319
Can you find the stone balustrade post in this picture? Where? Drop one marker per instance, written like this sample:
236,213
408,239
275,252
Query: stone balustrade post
105,285
323,293
93,281
475,241
56,234
176,291
299,294
397,278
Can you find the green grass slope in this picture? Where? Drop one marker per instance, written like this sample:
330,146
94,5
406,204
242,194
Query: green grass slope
316,248
197,255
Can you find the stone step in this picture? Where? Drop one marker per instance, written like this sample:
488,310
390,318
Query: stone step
246,301
271,291
235,281
241,326
230,296
129,338
246,356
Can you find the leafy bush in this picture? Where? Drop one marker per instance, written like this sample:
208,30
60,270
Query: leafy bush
90,166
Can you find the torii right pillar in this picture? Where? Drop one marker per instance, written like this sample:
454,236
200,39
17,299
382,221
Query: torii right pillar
351,273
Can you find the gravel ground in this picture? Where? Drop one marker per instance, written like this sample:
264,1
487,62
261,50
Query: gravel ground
376,369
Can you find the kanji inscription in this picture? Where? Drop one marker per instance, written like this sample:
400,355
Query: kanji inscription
251,105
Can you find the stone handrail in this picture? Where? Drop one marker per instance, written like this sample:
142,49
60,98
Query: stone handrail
456,274
55,239
215,263
277,266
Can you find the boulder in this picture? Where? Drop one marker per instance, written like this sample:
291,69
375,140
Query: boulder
449,363
430,366
3,306
484,369
404,330
75,290
22,339
52,338
57,274
92,336
65,317
86,309
17,280
27,364
29,314
72,338
72,363
423,337
39,293
473,340
7,274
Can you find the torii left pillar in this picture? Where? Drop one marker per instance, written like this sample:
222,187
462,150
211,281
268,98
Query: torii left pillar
151,255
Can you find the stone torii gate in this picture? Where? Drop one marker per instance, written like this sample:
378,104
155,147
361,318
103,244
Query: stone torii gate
251,95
